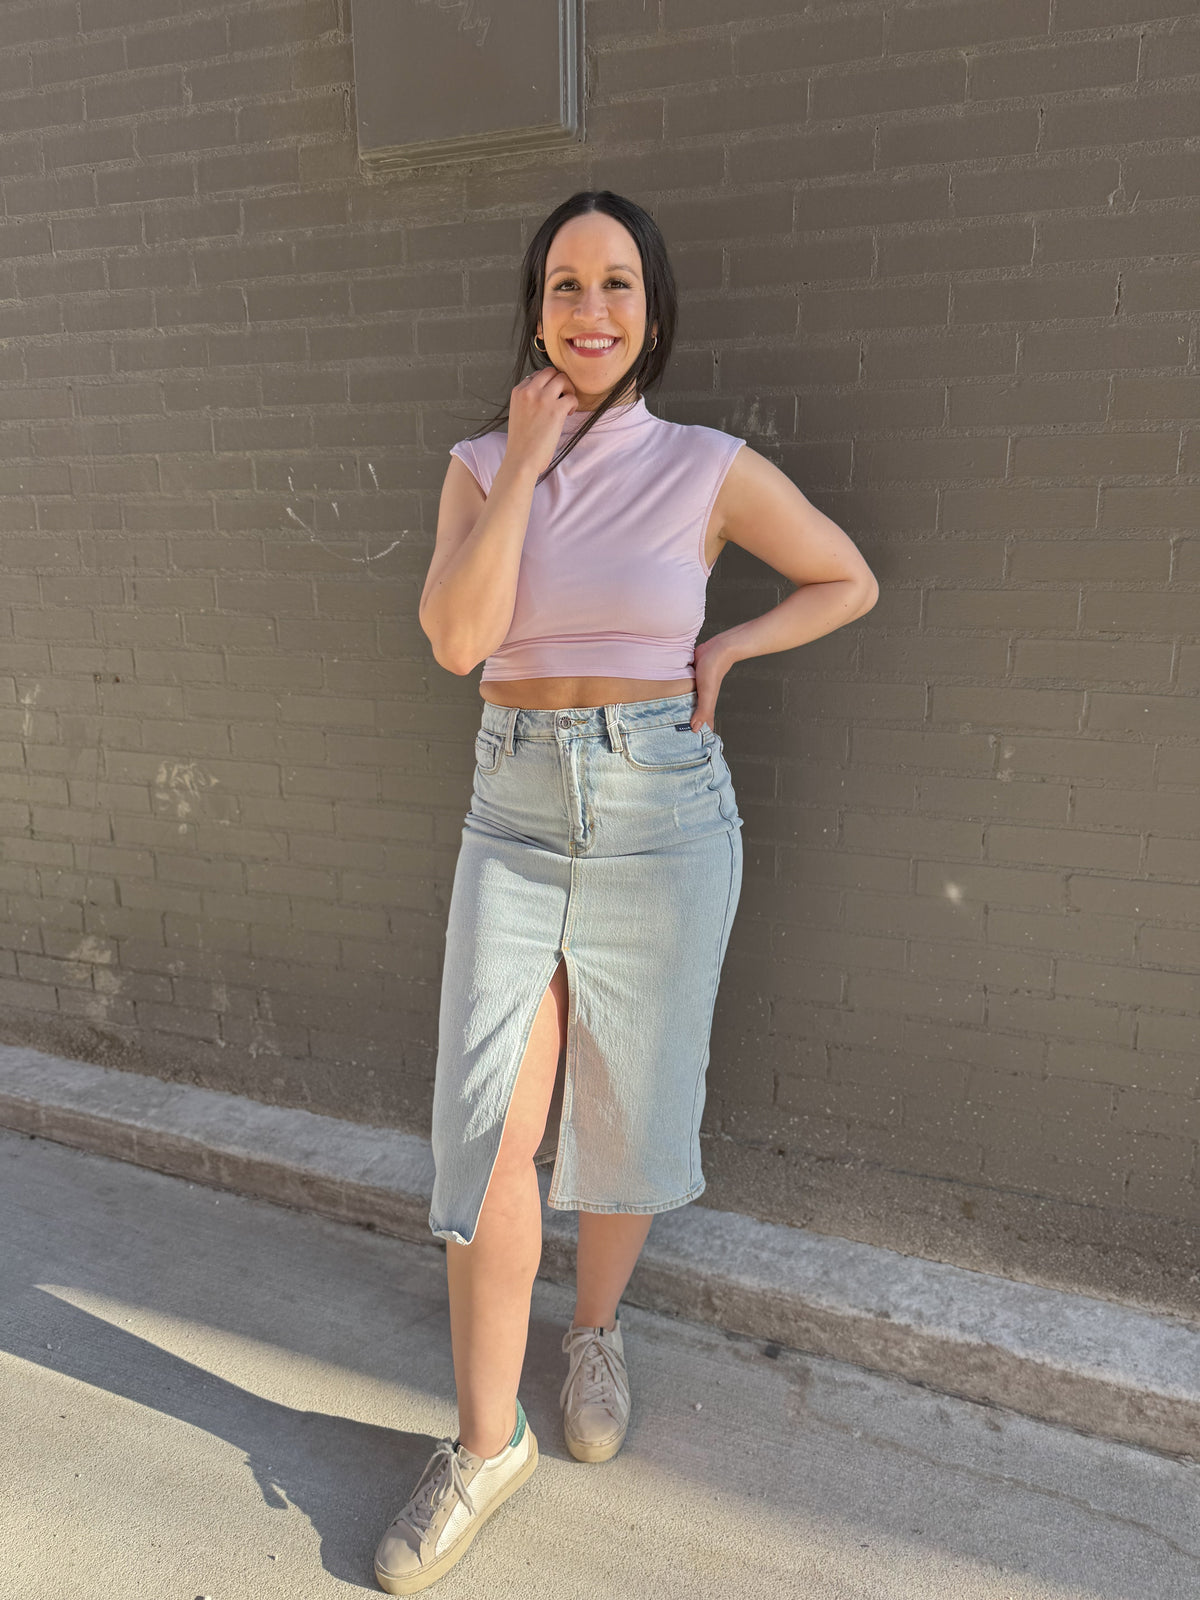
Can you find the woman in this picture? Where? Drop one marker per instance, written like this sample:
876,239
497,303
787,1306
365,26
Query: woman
601,863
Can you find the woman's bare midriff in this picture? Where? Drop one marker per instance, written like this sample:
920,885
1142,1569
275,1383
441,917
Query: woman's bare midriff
577,694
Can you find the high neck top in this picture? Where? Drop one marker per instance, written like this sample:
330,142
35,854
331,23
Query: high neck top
612,580
632,415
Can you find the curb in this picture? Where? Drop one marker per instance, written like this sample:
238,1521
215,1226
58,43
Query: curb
1103,1368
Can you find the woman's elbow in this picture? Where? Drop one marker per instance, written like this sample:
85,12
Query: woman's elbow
868,592
442,653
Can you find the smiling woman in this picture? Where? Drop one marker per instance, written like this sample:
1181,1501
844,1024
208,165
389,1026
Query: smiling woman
600,866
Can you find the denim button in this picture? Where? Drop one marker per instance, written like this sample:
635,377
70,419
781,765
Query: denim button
564,722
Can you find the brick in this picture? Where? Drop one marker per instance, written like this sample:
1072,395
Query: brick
971,753
977,965
1059,1018
903,915
1153,901
808,42
1169,947
907,995
1150,716
1174,859
1160,1031
985,798
734,107
1130,986
1055,67
1117,1066
965,884
1027,402
675,61
926,658
1104,560
1062,932
900,86
1086,661
235,80
1064,847
1085,760
1140,612
1179,764
913,836
170,46
1001,609
1143,1111
1055,350
801,153
978,708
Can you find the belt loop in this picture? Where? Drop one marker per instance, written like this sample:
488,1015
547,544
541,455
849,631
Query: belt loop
614,729
510,729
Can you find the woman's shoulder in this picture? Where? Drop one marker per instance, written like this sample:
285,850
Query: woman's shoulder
697,444
482,455
700,435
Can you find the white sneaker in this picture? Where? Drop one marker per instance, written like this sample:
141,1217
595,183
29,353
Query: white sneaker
455,1495
595,1396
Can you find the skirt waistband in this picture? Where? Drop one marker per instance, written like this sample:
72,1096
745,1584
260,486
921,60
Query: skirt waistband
582,722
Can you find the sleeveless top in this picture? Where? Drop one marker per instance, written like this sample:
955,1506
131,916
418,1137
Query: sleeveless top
612,580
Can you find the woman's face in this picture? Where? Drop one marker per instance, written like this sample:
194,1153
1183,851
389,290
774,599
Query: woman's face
593,286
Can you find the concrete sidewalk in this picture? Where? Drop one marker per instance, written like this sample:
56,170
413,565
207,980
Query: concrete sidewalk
207,1395
1111,1370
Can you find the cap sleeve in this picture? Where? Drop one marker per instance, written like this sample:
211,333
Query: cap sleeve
722,447
482,456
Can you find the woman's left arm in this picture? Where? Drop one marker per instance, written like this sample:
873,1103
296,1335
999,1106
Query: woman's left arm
762,510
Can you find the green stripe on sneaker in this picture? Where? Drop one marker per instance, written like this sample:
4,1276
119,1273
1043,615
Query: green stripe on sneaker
519,1430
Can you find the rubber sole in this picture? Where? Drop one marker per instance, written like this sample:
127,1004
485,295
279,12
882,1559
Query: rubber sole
594,1452
438,1569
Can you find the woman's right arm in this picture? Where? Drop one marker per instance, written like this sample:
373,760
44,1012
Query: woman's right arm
467,604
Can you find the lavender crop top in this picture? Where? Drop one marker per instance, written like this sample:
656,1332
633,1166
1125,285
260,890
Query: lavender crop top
612,580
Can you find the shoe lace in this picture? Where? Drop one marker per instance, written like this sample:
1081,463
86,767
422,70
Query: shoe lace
601,1372
441,1475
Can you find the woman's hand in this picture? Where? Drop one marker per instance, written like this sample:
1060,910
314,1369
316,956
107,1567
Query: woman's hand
537,408
712,661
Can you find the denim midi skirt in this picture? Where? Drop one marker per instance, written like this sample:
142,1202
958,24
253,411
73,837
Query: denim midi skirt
607,837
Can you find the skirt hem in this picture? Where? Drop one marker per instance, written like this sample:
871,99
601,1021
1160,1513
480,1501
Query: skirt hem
630,1210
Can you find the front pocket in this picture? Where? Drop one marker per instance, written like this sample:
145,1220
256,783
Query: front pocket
488,749
669,748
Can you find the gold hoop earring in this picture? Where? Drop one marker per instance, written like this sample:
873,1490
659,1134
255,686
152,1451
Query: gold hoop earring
540,348
655,341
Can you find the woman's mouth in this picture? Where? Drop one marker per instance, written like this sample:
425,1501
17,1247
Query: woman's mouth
594,344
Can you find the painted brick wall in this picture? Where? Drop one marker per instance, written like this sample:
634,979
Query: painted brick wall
939,263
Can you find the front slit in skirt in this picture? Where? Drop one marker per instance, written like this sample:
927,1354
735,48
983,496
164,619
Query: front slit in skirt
607,836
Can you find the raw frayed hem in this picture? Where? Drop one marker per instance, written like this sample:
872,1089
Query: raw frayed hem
628,1210
452,1235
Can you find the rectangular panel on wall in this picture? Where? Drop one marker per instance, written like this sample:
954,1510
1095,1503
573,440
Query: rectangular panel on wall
447,80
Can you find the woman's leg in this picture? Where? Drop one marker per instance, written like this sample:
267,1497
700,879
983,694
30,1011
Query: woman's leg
609,1245
491,1279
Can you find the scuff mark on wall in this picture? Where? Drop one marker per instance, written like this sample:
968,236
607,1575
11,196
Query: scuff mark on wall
99,955
29,699
180,784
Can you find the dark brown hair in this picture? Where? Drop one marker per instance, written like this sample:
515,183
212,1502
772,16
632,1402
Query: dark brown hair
661,304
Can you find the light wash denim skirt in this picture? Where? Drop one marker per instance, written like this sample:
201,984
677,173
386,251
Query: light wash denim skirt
607,837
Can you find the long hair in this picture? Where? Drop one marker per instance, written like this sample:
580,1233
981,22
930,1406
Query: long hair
661,305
